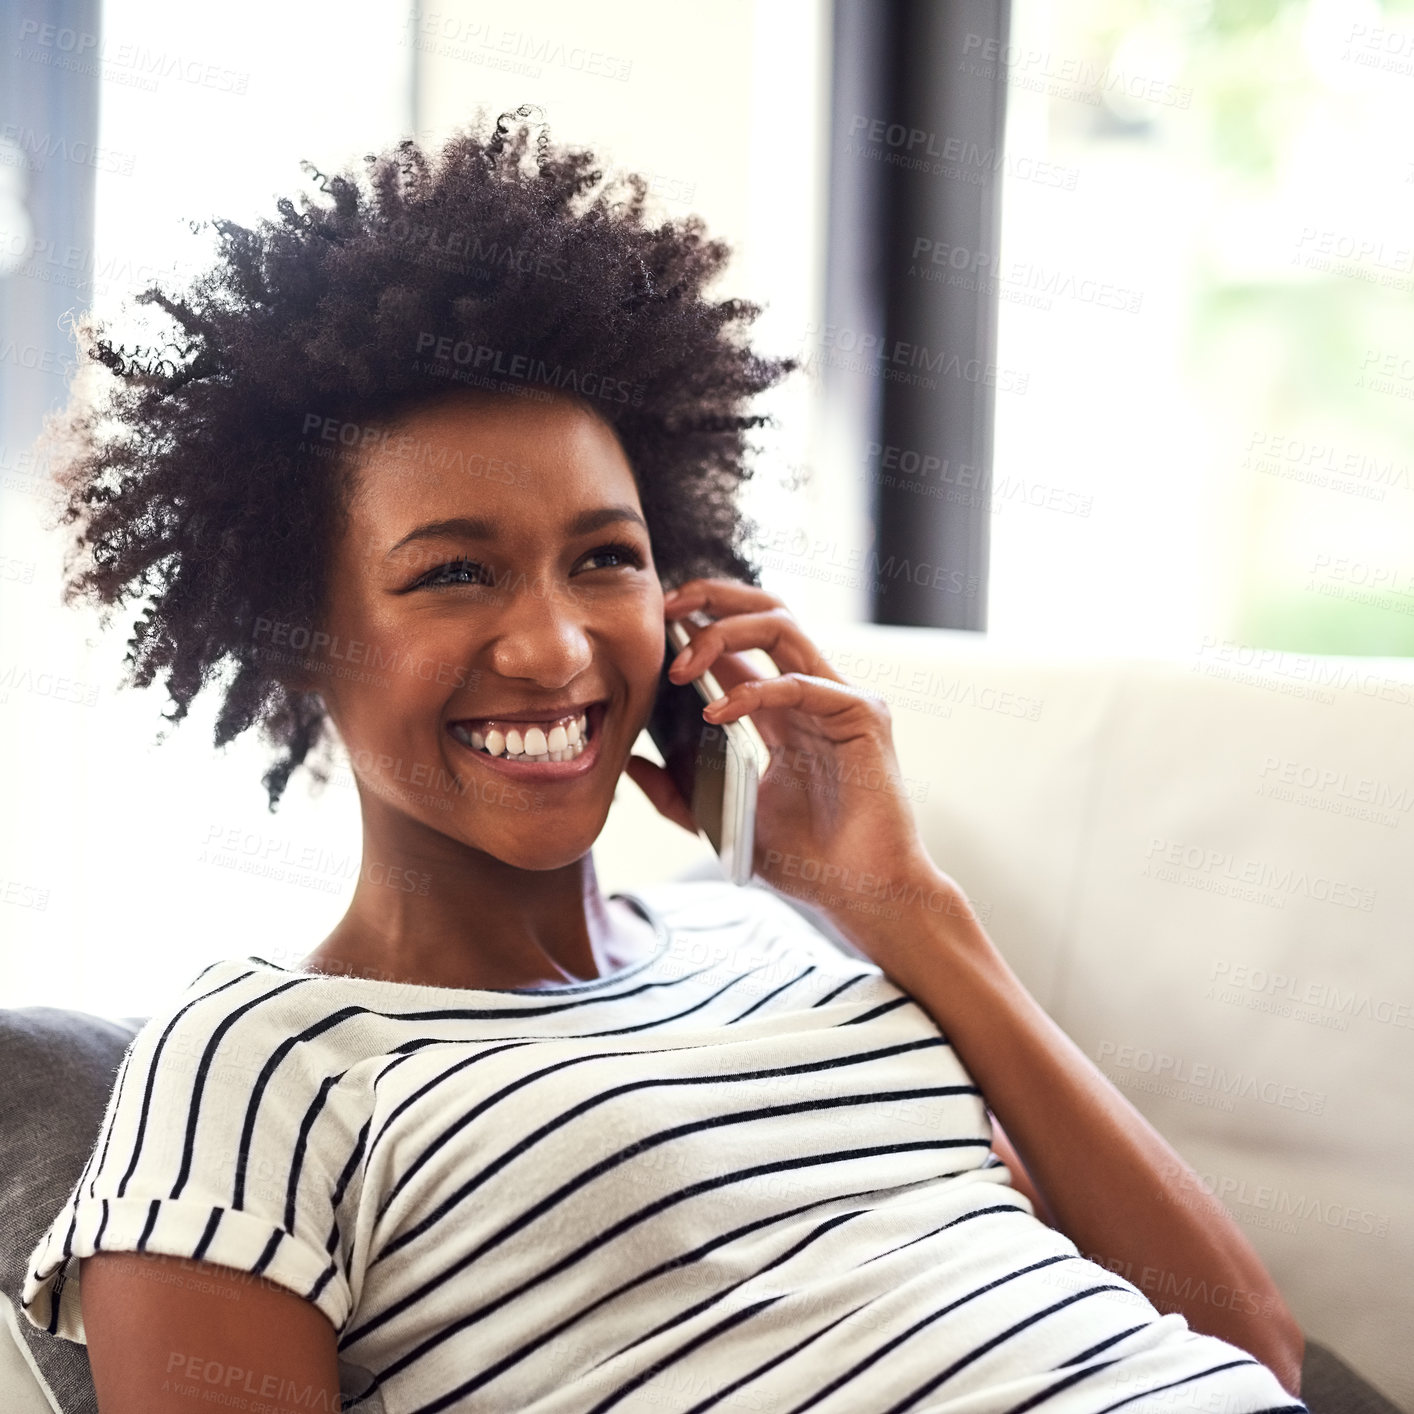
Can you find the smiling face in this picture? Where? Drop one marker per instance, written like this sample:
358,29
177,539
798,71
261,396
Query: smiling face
494,578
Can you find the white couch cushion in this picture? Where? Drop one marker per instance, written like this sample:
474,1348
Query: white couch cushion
1205,872
23,1390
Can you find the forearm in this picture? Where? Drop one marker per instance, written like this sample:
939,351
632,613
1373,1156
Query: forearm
1109,1180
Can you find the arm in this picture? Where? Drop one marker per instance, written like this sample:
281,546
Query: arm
1106,1178
841,838
163,1332
1003,1148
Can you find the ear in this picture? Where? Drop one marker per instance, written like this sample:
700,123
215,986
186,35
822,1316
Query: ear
658,786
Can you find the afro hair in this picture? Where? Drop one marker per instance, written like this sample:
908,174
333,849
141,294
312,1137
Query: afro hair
190,475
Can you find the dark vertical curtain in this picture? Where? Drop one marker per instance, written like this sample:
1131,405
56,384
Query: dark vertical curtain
49,158
908,353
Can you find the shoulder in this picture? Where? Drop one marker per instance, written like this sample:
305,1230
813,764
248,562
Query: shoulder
231,1006
226,1140
243,1040
746,918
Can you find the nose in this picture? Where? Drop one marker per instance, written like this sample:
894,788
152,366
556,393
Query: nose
541,636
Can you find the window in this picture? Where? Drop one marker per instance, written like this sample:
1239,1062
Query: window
1215,318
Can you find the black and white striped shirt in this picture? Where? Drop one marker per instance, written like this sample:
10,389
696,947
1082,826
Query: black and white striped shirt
746,1174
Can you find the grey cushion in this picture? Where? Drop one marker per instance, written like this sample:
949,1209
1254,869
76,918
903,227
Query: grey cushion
1330,1386
59,1069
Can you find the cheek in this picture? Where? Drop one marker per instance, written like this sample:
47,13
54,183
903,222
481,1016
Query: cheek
649,657
386,677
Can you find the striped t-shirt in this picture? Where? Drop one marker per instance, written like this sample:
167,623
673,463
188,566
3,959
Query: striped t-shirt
747,1173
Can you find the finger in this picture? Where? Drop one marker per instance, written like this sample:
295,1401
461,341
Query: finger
718,595
841,711
775,631
658,786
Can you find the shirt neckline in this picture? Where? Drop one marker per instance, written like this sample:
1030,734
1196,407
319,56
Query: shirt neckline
665,938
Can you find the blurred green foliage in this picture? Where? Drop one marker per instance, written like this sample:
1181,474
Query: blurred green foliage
1284,353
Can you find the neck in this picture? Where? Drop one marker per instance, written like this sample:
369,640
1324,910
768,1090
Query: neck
430,910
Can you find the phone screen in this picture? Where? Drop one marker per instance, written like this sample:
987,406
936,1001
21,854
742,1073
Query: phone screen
694,752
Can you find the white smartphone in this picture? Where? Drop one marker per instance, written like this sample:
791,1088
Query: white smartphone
715,766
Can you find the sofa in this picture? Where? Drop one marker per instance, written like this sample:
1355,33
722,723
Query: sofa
1195,864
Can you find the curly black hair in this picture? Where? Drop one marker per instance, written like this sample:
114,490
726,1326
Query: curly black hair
194,482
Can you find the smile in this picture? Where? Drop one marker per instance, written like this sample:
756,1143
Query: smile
559,746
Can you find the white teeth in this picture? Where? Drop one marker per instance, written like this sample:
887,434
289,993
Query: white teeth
564,741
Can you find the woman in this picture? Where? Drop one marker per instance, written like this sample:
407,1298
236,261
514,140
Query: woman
419,473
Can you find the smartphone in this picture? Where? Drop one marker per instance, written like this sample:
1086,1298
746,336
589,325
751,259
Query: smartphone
715,766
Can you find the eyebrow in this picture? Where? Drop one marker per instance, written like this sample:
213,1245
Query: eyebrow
481,528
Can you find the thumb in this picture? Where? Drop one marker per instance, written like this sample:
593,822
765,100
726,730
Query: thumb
658,786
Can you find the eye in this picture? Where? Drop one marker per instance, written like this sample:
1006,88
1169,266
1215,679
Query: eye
453,572
624,552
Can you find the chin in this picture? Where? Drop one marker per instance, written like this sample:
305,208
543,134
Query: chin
537,857
542,841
